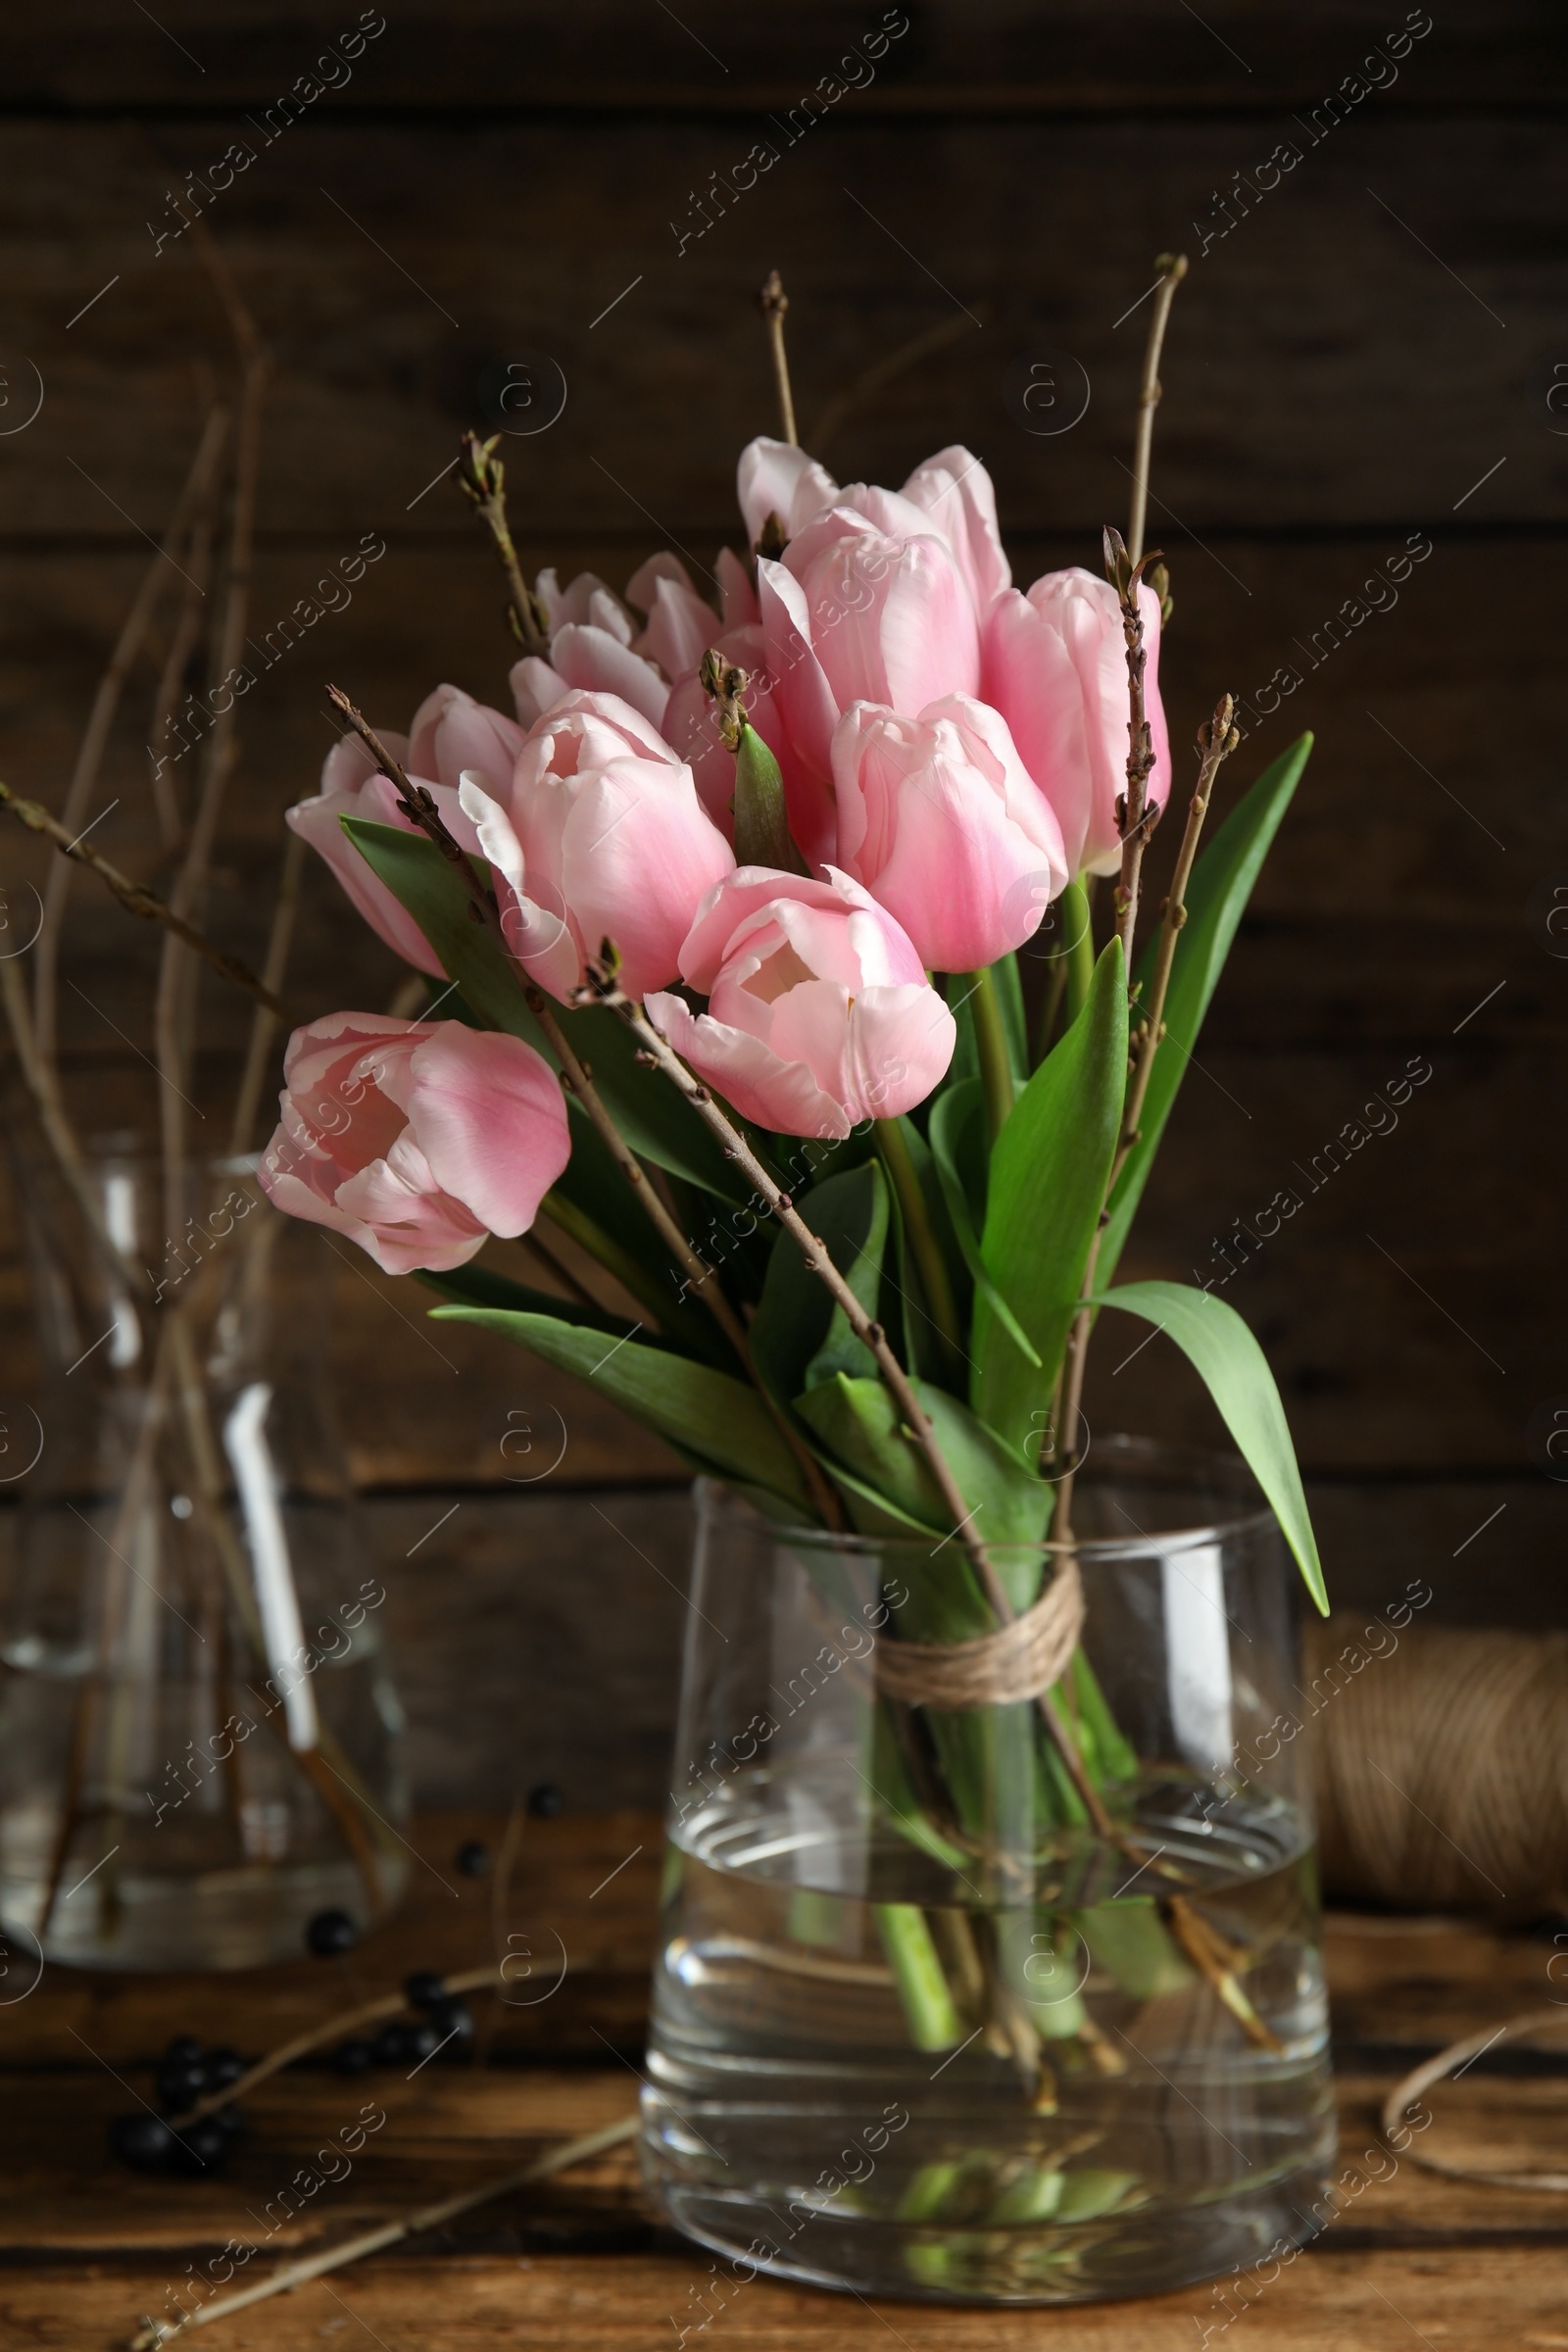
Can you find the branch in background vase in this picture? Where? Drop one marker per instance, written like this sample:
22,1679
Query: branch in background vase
138,900
265,1022
174,1008
198,487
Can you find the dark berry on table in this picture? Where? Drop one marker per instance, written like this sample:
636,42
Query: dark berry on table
330,1933
354,2056
200,2147
184,2050
180,2085
544,1801
473,1858
143,2141
229,2121
425,1988
453,2024
219,2066
393,2045
423,2040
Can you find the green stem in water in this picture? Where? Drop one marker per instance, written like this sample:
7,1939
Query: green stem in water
922,1233
928,2004
996,1062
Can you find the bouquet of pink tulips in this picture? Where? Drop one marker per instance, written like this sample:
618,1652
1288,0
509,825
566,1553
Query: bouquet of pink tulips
721,933
721,936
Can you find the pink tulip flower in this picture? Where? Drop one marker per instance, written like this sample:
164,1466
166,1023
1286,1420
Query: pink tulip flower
950,494
591,650
819,1013
1055,667
938,818
858,613
599,835
416,1139
450,731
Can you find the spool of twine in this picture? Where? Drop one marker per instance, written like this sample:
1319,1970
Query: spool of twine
1016,1662
1441,1766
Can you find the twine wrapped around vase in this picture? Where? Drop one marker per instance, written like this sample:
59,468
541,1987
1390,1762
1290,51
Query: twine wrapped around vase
1016,1662
1441,1768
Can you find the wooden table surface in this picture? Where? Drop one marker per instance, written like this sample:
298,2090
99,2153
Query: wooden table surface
582,2264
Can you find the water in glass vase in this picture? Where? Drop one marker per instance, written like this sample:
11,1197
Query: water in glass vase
859,2079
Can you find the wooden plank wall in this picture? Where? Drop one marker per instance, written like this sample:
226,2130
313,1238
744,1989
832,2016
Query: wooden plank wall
1361,360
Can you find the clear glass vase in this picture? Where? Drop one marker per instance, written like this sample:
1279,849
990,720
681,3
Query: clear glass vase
920,2028
199,1739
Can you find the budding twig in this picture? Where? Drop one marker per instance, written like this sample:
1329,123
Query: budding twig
774,302
484,479
1136,814
1172,268
371,2241
140,901
1216,740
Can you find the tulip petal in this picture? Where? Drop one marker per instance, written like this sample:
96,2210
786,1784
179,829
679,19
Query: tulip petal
584,655
489,1116
776,1094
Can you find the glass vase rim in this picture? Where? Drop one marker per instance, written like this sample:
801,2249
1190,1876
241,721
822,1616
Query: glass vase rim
1213,1470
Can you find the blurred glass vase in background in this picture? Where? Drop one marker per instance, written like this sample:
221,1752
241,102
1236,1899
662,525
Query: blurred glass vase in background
199,1737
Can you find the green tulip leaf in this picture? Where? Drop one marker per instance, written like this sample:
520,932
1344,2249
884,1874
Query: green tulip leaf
959,1148
700,1410
860,1424
1048,1172
1217,899
800,1334
1234,1369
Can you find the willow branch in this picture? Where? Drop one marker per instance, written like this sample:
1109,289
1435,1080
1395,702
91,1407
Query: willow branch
1216,740
143,901
181,645
106,703
1136,814
701,1279
1172,268
174,1004
336,2028
265,1021
774,302
294,2275
484,479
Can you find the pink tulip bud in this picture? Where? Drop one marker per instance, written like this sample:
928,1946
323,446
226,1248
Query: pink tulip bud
599,835
416,1139
940,821
819,1013
1055,667
352,787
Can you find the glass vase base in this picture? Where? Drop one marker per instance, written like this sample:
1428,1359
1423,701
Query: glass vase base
1142,2252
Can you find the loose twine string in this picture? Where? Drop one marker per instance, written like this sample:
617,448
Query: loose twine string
1440,1767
